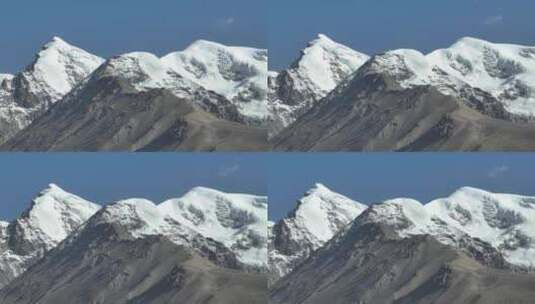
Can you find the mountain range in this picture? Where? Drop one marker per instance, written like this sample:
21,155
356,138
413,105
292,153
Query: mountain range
473,96
204,247
206,97
471,247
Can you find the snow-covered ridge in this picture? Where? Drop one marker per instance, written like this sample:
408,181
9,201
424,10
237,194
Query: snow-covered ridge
238,221
318,216
505,71
237,73
505,221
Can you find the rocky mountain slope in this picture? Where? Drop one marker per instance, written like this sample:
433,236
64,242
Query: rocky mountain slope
206,246
472,247
317,217
319,69
461,98
207,97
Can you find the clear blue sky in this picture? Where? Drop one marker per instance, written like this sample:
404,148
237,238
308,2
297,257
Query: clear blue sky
105,177
374,177
373,26
111,27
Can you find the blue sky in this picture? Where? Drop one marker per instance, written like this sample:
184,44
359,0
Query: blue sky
374,177
373,26
111,27
107,177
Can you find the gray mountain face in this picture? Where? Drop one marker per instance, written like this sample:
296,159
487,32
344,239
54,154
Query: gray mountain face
104,264
370,263
376,111
108,112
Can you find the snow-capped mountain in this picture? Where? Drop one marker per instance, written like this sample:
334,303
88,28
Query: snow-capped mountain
319,69
53,215
237,221
229,83
229,230
505,221
463,248
57,68
318,216
458,98
135,252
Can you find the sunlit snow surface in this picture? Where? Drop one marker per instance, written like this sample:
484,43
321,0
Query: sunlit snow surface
238,221
237,73
505,221
505,71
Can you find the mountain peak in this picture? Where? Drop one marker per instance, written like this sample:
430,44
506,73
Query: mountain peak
321,39
318,187
471,40
56,43
57,39
469,189
202,43
52,189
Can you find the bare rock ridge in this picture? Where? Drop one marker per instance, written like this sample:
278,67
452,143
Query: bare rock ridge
402,251
206,246
207,97
459,98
